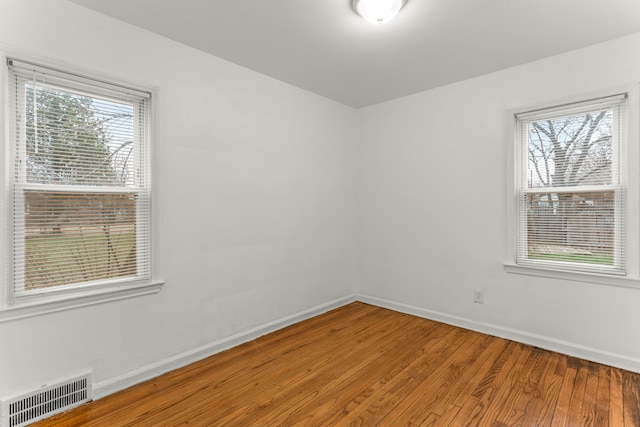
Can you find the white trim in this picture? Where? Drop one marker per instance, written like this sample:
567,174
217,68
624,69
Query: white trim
577,276
547,343
38,57
36,296
5,292
573,107
575,189
79,188
92,297
153,370
97,85
632,243
14,306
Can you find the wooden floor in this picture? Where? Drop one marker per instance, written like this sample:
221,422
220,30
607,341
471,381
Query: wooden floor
365,366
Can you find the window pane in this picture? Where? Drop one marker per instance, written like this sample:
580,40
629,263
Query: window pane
77,140
80,182
573,227
75,237
571,150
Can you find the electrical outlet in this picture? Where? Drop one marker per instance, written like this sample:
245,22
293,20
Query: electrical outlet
478,296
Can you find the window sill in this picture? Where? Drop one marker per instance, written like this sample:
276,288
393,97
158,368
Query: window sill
599,279
67,302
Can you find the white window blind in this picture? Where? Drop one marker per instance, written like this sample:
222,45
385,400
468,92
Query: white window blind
81,181
571,187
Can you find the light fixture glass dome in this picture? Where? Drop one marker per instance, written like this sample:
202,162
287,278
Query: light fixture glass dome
378,11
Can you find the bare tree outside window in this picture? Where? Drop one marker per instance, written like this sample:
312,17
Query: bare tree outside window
570,205
77,142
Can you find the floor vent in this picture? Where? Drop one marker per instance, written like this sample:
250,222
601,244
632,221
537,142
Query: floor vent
46,401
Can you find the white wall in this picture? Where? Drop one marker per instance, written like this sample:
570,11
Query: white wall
433,202
256,203
263,189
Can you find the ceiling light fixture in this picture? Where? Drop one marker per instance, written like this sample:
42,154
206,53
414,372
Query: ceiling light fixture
378,11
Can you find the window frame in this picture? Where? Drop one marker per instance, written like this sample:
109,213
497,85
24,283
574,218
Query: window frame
630,184
75,295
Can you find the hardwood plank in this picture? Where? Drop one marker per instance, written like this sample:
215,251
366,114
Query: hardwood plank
564,399
460,391
384,400
616,416
364,365
492,384
163,391
602,396
631,393
471,406
530,401
491,377
448,415
500,399
522,390
577,397
430,421
164,388
589,400
427,398
549,389
341,399
340,381
270,371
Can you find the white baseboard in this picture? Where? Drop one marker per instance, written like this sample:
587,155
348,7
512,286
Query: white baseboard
148,372
564,347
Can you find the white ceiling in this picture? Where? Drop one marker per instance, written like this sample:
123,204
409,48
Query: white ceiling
324,47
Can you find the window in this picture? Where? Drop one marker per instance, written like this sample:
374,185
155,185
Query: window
571,184
79,174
